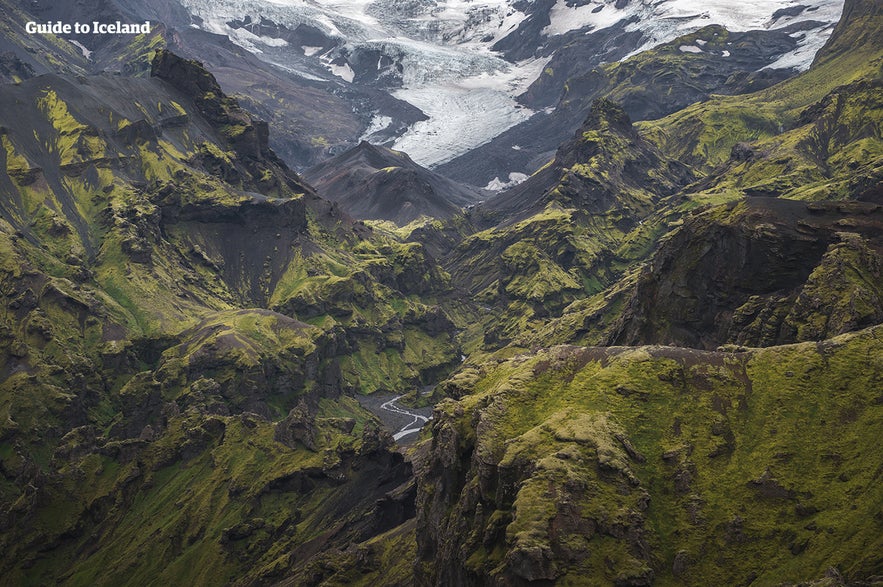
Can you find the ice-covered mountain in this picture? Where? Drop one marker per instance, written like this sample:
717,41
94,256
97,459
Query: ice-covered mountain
475,67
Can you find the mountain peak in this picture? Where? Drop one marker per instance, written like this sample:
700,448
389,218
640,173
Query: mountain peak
374,182
186,75
606,120
605,112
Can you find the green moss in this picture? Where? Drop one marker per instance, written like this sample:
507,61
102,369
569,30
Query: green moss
735,451
74,141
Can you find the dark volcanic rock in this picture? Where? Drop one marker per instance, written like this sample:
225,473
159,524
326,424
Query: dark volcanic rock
761,272
373,182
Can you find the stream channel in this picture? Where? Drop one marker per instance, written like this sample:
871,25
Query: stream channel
402,422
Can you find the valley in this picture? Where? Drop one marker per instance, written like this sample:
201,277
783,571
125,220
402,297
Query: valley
442,293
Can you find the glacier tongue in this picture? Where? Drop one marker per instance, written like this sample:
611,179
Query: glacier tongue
460,119
466,114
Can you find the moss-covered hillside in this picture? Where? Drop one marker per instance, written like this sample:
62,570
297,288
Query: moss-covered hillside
184,326
657,465
659,360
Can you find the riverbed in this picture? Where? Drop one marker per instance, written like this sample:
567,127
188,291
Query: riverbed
404,423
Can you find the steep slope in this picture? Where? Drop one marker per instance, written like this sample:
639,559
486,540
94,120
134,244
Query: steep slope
184,324
561,235
658,465
375,183
833,151
606,165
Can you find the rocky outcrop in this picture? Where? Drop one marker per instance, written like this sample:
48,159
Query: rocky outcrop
13,69
759,273
244,135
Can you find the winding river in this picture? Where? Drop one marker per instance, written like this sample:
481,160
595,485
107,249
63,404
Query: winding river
412,427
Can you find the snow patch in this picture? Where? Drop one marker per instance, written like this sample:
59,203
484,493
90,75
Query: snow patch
661,22
689,49
378,123
310,51
86,52
344,72
242,36
297,72
725,54
497,185
564,18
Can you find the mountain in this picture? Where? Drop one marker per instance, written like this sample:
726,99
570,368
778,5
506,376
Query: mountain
649,85
813,137
572,230
260,86
376,183
176,299
416,76
606,164
655,360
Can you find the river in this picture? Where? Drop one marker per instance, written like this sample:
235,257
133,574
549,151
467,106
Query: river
402,422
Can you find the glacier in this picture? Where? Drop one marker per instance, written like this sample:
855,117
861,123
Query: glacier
444,49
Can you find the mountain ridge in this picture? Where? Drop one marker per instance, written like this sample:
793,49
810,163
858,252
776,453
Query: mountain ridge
375,183
195,344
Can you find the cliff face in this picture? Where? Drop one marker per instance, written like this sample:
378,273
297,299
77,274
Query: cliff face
760,273
634,466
